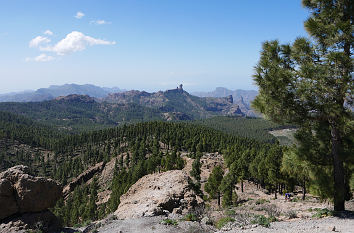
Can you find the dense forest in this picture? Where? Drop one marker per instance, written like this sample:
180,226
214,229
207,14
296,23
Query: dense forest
143,148
249,127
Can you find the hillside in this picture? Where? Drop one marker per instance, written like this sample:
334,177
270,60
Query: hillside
256,128
99,167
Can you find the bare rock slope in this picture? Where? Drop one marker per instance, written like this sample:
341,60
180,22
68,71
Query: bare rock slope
157,193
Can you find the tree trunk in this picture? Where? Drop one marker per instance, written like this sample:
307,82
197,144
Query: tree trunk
275,191
304,190
241,185
219,199
338,170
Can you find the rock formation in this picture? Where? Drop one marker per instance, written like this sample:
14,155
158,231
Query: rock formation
158,193
23,193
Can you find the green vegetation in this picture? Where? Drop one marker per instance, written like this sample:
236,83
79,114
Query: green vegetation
168,221
262,220
78,115
214,182
309,83
256,128
190,217
261,201
320,213
223,221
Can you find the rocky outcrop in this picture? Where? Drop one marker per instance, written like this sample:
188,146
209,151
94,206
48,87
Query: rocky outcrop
22,193
44,221
82,178
157,194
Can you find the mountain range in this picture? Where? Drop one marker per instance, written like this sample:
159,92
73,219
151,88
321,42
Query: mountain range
54,91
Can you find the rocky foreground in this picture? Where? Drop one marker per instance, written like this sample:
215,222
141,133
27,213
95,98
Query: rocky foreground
25,200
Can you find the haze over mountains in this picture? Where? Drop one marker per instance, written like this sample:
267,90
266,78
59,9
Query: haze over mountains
58,90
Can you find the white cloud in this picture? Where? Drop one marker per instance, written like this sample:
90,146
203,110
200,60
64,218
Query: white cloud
79,15
99,22
41,58
35,42
73,42
48,32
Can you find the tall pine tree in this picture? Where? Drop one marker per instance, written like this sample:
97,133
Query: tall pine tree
310,83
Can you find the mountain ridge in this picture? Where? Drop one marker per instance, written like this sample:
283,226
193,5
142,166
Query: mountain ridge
54,91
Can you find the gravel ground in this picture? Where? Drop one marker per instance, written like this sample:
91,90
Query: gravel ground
153,225
330,224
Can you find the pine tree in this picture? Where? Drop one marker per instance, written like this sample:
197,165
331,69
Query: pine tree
227,187
213,184
195,172
310,83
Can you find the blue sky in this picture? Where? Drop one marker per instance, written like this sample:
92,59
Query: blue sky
147,45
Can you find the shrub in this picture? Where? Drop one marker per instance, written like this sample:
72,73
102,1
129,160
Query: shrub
190,217
261,201
223,221
320,213
272,210
230,212
169,222
261,220
291,214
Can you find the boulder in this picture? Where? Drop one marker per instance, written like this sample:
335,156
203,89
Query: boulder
7,199
158,194
36,194
23,193
44,221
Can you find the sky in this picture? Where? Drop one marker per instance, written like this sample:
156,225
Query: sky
140,44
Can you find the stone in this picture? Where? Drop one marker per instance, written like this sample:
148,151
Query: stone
158,194
36,194
24,193
7,199
44,221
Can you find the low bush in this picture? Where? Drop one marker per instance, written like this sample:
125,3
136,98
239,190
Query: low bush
169,222
291,214
261,220
320,213
230,212
223,221
261,201
190,217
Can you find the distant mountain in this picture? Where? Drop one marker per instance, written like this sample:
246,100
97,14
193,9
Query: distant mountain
178,100
81,112
54,91
241,97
